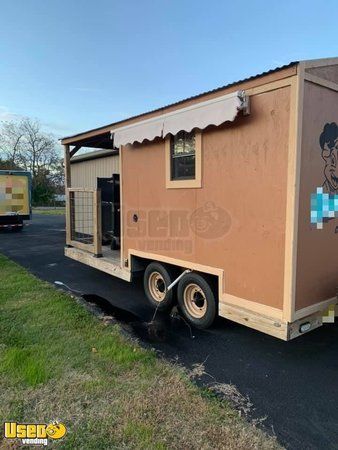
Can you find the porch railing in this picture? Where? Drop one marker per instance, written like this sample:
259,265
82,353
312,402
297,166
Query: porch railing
83,220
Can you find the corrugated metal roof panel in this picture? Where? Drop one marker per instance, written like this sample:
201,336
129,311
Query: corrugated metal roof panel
93,155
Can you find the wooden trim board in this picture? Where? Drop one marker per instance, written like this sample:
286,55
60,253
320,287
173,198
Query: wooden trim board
323,62
272,86
259,308
122,262
279,329
321,81
82,190
104,264
81,246
97,223
321,306
67,171
253,320
293,179
68,219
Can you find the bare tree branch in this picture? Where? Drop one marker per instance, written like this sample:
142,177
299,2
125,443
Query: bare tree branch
23,144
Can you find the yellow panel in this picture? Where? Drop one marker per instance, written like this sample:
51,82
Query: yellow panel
329,315
14,194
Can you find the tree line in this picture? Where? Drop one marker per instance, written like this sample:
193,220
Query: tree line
25,146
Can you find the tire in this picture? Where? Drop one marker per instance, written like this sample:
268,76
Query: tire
197,300
156,279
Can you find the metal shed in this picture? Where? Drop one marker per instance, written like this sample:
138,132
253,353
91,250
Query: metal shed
86,168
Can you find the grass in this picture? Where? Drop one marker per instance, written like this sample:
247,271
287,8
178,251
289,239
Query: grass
49,212
57,361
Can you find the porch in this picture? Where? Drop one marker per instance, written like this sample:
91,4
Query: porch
110,261
93,212
84,237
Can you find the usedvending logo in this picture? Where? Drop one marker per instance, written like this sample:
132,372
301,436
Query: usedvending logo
34,433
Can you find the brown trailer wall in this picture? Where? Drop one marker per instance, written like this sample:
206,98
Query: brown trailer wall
317,255
244,172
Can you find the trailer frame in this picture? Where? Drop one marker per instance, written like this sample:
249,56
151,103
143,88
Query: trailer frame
285,323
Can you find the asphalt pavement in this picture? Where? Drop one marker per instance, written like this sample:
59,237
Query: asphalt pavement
293,385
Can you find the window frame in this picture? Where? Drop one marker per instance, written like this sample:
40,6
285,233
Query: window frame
187,182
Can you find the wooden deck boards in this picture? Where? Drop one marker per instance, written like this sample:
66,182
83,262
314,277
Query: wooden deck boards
109,263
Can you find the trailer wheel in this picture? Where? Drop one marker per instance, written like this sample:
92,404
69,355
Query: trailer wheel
197,300
156,280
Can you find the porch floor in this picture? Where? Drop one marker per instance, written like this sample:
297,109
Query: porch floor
112,255
110,262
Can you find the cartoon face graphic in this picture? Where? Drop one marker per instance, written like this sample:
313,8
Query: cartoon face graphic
329,144
56,430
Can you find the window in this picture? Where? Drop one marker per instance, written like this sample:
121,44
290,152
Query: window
182,149
183,160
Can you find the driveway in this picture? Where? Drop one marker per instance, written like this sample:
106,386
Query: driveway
293,384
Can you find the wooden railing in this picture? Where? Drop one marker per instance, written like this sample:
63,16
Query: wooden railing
83,220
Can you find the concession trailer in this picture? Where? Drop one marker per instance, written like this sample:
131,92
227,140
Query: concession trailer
15,198
226,202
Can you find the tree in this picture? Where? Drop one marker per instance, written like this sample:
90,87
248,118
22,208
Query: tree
37,149
11,137
24,145
57,177
43,189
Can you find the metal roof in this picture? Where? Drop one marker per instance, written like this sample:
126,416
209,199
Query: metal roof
93,155
276,69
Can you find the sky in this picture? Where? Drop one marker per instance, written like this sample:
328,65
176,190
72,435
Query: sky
79,64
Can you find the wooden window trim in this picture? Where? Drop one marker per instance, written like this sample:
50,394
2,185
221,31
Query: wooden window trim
189,183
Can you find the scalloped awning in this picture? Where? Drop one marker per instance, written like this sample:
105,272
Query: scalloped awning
199,115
